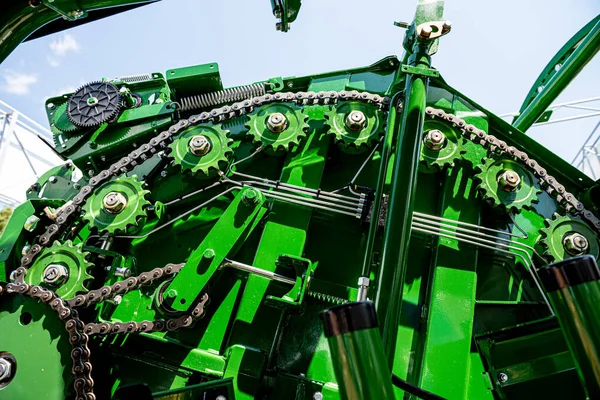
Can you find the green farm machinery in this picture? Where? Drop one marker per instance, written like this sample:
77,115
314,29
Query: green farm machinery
369,233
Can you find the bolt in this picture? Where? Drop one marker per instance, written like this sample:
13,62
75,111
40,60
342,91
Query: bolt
199,145
575,243
208,254
56,274
317,396
76,13
277,122
114,202
164,174
121,272
221,397
250,197
426,31
92,101
171,293
50,106
53,179
447,26
509,181
502,377
91,172
434,139
356,120
5,369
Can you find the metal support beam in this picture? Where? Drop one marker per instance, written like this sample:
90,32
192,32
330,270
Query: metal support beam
398,224
586,50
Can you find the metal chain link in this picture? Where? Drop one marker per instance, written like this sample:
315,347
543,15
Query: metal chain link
79,332
478,136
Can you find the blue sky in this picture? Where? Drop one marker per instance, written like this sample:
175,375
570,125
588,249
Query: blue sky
493,54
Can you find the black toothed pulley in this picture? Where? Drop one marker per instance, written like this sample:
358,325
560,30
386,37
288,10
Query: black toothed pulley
93,104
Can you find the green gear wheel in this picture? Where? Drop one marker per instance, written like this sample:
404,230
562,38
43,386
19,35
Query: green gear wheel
35,338
205,165
291,136
450,152
132,214
523,197
355,141
61,121
69,256
559,227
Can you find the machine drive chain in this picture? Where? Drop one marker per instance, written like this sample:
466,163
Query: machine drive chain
495,145
79,332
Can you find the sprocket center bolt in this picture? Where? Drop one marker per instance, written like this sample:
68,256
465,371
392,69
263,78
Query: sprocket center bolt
356,120
114,202
434,139
56,274
5,369
199,145
509,181
575,243
277,122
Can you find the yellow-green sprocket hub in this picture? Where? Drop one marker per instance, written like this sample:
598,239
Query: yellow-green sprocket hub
198,160
557,232
359,135
62,268
293,128
488,175
118,206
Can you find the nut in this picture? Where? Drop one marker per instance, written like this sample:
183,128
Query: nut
502,377
509,181
277,122
434,139
114,202
356,120
199,145
56,274
364,281
575,243
5,369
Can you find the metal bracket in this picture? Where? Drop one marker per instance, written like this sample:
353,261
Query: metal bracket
430,72
69,9
304,270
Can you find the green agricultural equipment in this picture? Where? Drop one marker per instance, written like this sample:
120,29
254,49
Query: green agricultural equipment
361,234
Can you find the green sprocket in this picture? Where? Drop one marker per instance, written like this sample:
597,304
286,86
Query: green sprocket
367,131
203,163
65,257
557,232
445,154
293,130
521,197
130,214
61,121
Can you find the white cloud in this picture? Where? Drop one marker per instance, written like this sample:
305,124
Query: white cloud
63,45
17,82
53,61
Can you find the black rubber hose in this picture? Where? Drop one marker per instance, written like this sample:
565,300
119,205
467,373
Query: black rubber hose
414,390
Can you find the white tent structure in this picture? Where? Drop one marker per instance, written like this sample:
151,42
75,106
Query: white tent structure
23,154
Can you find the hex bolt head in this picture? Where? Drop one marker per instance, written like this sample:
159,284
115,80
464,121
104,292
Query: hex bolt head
364,281
277,122
575,243
5,369
114,202
434,139
200,145
250,197
502,377
56,274
356,120
317,396
509,180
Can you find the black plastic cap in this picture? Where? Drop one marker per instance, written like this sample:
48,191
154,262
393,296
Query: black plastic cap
571,272
349,318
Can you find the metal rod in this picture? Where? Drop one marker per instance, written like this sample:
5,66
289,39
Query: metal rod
394,260
306,204
257,271
586,50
